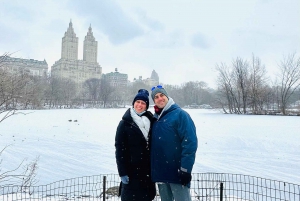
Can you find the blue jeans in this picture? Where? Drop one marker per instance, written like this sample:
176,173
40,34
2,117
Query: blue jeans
171,192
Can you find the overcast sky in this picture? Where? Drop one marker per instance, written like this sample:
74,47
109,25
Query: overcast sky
181,40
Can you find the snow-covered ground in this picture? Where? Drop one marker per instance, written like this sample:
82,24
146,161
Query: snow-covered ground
262,146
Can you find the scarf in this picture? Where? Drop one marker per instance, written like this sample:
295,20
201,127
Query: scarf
168,105
142,121
157,110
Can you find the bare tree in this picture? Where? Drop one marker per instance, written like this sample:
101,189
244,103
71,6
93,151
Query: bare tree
29,176
193,92
69,92
12,86
289,78
25,179
105,91
92,89
52,94
60,92
241,75
257,85
6,98
35,91
226,95
119,96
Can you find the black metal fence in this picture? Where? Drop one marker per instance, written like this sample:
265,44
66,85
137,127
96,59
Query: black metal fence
204,187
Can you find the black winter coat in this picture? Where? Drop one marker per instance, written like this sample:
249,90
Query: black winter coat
133,159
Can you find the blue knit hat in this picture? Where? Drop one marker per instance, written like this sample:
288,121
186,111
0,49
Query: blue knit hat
158,89
143,95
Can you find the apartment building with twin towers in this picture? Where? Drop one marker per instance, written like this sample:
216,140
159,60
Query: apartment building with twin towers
70,67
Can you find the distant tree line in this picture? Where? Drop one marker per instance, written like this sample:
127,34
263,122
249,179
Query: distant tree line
243,86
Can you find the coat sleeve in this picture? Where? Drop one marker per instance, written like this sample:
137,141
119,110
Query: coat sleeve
189,142
121,149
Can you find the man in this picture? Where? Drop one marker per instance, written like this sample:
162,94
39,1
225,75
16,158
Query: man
173,147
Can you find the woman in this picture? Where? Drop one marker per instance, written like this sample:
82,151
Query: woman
132,151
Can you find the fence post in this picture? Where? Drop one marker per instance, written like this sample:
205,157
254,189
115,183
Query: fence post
104,187
221,191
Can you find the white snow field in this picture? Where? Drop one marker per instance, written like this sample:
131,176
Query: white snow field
80,142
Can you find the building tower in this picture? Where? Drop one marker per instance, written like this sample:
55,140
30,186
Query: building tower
154,76
69,46
69,67
90,46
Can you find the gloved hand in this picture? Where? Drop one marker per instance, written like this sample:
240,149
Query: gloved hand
185,177
125,179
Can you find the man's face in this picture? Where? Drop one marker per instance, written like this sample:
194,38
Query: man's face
160,100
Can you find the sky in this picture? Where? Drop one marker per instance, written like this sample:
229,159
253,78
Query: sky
181,40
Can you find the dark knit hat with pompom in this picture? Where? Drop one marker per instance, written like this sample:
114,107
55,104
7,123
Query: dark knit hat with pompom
143,95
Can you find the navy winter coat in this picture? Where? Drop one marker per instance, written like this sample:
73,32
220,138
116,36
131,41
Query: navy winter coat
174,145
133,159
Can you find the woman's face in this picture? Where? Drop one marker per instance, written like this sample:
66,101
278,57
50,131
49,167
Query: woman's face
139,106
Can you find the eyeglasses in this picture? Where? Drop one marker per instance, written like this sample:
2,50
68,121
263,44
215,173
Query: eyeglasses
158,86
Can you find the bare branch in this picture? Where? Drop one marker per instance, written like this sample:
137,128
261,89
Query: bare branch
289,79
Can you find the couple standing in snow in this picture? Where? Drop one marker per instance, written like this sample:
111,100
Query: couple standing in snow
157,148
